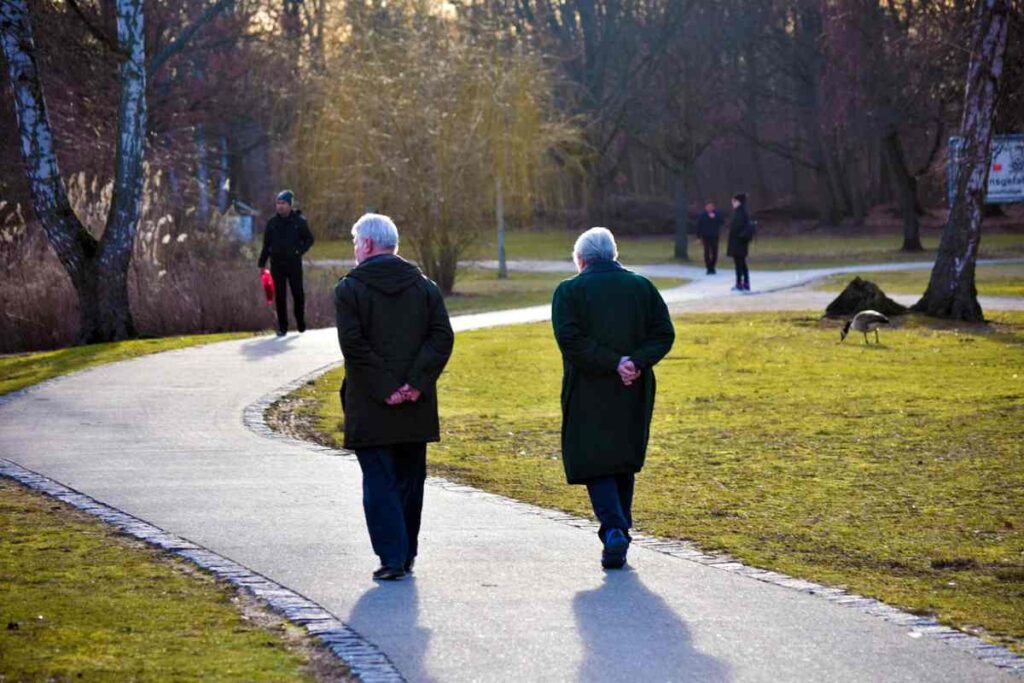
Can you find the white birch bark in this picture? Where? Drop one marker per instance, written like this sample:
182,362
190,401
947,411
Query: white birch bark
951,289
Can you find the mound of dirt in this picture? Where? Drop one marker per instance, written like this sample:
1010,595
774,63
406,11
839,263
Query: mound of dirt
862,295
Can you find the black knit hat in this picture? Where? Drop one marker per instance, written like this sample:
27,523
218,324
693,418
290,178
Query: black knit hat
286,196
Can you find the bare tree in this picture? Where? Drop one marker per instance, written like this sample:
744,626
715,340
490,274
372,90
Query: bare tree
98,268
951,290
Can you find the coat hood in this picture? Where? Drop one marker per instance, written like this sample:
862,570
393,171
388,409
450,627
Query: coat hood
388,273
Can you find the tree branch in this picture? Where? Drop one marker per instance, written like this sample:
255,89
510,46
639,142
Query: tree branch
179,43
97,32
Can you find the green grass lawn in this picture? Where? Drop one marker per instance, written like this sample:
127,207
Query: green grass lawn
768,251
1001,280
23,369
79,601
893,470
479,290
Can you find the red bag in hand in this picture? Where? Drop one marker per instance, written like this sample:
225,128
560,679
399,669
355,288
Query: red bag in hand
268,285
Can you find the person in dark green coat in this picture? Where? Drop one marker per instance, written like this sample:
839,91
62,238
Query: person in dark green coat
396,338
612,327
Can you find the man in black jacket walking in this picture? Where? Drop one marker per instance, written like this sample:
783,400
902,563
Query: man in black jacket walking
396,339
709,226
285,240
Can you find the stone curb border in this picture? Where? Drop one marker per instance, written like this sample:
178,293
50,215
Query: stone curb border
365,660
926,627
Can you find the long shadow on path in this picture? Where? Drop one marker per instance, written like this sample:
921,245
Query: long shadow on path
631,634
258,349
391,610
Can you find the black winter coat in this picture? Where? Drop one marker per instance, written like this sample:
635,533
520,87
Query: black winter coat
741,232
709,227
604,313
393,329
285,239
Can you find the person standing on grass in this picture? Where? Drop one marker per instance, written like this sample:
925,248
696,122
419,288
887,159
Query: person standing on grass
709,226
612,327
285,239
741,232
396,339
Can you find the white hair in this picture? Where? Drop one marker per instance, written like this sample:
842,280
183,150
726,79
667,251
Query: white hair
376,227
596,244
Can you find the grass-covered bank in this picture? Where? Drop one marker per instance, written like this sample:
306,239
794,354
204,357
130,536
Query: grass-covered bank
997,280
478,290
18,371
78,601
895,470
768,251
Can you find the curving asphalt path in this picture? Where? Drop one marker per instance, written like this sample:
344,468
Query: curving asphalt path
502,593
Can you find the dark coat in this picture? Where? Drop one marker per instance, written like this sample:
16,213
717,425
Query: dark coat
741,231
285,239
393,329
599,316
709,227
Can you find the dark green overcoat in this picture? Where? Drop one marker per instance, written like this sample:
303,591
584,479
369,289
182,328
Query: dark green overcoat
393,329
604,313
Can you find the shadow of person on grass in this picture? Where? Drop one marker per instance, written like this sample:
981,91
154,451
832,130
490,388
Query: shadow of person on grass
387,616
630,634
257,349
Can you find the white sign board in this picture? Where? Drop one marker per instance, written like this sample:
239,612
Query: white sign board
1006,173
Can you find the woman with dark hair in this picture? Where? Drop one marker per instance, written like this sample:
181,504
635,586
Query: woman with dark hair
741,232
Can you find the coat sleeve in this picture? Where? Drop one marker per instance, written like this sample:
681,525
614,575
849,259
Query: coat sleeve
359,354
305,237
659,335
265,252
436,349
582,351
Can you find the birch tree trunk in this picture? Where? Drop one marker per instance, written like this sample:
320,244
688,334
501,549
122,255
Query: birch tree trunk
951,290
98,269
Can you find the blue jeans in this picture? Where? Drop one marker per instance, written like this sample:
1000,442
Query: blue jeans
393,478
612,499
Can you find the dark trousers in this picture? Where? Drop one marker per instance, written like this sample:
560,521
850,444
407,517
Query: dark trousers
710,252
612,500
742,272
393,479
289,274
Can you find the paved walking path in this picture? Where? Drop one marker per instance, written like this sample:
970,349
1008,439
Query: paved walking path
501,592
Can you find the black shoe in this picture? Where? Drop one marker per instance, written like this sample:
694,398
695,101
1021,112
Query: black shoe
301,327
409,565
281,333
389,574
616,545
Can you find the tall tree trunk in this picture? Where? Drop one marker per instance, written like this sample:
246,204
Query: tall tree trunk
221,176
906,191
98,269
680,249
753,117
951,290
499,212
122,221
202,179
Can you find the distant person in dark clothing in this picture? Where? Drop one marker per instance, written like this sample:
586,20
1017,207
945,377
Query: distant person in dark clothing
285,240
396,339
741,232
709,226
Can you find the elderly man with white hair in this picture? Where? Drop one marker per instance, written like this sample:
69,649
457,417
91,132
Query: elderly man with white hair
396,339
612,327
